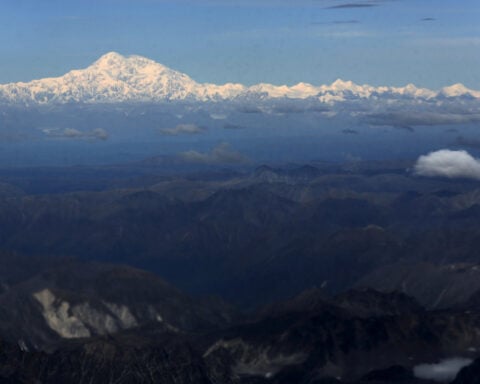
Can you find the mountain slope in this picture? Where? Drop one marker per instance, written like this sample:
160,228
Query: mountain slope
73,300
114,78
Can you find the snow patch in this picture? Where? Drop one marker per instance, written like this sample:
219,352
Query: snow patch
82,320
443,371
57,315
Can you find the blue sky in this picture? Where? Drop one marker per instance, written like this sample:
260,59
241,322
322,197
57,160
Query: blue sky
431,43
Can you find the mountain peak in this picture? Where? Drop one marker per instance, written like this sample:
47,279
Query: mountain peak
343,85
115,78
114,60
457,89
111,56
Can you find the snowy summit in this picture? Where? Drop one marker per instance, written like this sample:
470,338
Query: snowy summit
114,78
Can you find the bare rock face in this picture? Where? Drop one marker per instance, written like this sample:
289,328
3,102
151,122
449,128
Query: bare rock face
357,336
78,300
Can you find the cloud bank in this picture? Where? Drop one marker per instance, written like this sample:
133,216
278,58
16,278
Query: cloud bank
444,371
72,133
450,164
410,118
221,154
183,129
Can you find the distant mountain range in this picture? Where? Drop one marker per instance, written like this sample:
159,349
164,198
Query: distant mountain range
114,78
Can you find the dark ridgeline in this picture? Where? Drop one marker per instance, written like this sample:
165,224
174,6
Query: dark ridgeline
336,275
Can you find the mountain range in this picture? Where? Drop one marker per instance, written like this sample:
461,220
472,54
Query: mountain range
303,274
114,78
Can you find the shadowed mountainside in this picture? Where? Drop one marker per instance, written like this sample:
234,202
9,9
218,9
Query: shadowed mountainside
249,236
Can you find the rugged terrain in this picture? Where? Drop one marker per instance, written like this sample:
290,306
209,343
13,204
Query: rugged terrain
318,273
247,236
359,336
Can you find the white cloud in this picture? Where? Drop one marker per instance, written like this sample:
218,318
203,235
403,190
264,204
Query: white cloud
447,163
99,133
444,371
218,116
412,118
73,133
183,129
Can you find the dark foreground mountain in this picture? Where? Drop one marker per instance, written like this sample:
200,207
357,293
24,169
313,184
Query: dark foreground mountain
360,336
260,236
66,299
122,359
346,338
341,274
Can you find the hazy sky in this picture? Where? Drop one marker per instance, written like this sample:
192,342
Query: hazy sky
430,43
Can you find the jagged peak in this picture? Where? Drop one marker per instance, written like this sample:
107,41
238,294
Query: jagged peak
343,84
115,77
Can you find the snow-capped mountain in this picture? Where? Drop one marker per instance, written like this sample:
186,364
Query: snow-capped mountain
457,90
114,78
